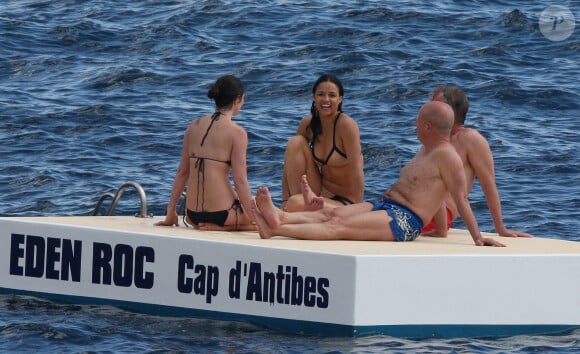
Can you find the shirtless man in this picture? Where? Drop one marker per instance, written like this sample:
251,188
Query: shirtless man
423,185
477,159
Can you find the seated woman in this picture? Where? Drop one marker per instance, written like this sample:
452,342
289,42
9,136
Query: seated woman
327,149
214,146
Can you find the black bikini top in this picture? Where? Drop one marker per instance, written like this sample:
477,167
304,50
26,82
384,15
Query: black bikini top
334,148
200,163
215,117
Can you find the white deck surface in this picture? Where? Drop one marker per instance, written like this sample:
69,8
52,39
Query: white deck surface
459,242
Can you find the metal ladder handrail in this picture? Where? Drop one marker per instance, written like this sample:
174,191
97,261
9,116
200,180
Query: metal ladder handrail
100,202
115,199
182,204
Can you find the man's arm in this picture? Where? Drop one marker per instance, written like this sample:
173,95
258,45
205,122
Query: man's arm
454,178
481,159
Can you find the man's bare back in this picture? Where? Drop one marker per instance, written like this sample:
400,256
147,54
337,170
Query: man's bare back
476,156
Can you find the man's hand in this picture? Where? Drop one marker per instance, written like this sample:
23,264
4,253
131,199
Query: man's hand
512,233
489,242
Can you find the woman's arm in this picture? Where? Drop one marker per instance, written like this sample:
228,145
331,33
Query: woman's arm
304,128
239,171
350,138
181,177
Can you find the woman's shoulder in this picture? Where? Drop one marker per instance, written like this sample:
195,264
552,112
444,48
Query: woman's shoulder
347,123
195,125
233,132
306,120
199,120
347,119
236,128
304,125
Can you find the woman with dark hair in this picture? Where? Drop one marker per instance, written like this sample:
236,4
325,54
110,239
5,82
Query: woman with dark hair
327,149
214,146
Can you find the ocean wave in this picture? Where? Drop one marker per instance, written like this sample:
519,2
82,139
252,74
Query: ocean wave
98,93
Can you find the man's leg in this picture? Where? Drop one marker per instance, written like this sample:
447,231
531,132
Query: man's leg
275,216
351,222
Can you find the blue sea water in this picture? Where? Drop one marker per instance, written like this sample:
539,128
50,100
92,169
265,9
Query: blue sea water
97,93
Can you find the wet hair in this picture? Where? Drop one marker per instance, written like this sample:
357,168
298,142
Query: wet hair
225,90
455,97
315,124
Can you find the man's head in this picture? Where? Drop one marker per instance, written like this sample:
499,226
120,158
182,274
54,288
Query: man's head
435,120
455,97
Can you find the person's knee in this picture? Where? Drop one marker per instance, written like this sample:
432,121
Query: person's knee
296,143
295,203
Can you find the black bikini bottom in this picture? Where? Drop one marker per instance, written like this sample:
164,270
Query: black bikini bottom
214,217
341,199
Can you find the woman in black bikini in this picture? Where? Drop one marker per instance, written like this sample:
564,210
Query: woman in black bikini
214,146
327,149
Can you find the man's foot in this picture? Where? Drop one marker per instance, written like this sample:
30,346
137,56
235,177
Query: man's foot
269,212
263,228
312,202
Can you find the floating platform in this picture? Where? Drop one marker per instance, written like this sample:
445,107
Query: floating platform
427,288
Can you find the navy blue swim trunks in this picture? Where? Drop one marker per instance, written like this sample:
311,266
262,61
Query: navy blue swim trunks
406,225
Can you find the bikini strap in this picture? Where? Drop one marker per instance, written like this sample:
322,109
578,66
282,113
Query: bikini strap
236,205
334,131
214,118
334,148
200,164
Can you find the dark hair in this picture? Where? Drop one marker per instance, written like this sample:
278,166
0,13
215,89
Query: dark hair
315,124
456,98
225,90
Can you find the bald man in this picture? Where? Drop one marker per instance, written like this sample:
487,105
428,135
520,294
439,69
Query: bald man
435,172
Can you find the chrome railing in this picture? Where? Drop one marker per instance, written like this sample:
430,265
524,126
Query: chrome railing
115,199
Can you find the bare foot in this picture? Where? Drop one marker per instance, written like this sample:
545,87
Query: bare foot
312,202
263,227
316,203
269,212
